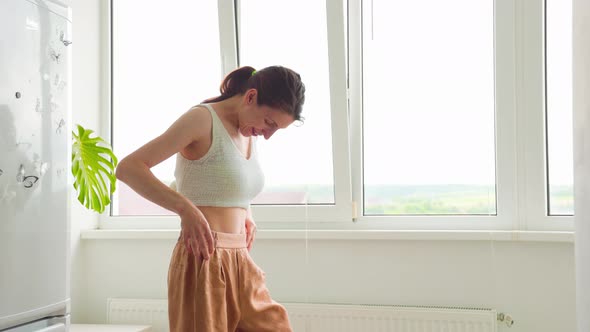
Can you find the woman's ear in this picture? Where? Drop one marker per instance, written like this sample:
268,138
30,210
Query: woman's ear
251,96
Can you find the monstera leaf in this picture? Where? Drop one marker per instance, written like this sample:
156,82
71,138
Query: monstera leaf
93,167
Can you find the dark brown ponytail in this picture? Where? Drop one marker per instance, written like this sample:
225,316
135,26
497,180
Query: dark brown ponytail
235,83
277,87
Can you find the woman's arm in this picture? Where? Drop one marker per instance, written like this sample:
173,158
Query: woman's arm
250,229
134,170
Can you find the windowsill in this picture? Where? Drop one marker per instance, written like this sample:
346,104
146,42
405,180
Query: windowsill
413,235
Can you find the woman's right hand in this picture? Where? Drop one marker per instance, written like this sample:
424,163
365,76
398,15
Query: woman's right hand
196,234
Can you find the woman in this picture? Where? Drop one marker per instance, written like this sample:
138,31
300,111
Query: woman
213,284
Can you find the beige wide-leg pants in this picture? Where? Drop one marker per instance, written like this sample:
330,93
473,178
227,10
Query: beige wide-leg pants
225,293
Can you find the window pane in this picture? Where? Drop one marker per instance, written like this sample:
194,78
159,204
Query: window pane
297,162
559,107
428,113
165,61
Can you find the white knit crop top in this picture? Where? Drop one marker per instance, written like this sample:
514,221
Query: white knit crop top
223,176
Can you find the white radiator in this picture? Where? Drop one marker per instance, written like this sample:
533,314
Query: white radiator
353,318
331,317
139,311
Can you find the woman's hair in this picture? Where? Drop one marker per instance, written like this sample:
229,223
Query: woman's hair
277,86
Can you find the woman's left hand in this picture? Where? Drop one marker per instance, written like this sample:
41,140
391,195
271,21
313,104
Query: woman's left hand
250,232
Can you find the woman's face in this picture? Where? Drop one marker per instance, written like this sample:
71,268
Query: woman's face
262,120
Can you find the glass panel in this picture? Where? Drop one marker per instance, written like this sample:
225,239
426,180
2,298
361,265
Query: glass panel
165,61
297,161
428,113
559,107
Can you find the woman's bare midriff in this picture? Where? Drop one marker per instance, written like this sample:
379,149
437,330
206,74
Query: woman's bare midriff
225,219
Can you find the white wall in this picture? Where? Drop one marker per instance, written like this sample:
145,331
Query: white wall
533,281
86,108
581,103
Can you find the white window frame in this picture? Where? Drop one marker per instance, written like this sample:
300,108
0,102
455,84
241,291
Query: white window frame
521,178
532,121
273,216
521,157
293,216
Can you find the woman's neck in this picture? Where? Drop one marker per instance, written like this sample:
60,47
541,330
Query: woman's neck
229,109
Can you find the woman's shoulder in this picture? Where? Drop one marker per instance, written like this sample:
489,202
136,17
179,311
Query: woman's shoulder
199,112
194,126
203,108
196,122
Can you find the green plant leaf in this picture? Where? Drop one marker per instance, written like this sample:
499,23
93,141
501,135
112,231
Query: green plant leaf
93,167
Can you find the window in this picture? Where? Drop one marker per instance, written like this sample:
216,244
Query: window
448,113
295,173
428,107
559,107
307,168
419,115
163,64
177,64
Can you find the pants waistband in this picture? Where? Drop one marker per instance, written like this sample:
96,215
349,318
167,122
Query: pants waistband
229,240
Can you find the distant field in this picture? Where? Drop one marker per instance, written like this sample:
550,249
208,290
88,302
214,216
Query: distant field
433,199
561,200
430,199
